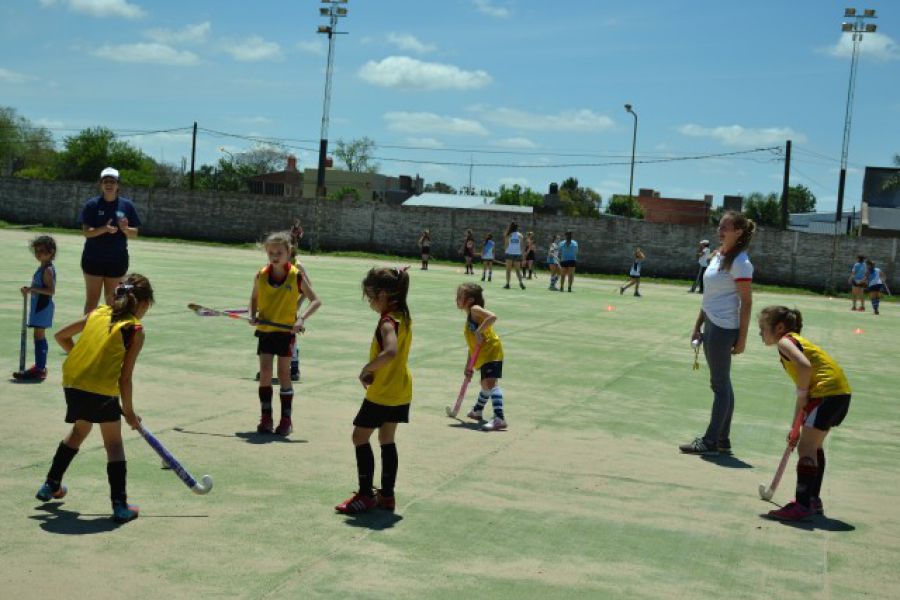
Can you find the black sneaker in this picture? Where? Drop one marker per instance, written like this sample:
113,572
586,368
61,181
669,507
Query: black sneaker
724,447
698,446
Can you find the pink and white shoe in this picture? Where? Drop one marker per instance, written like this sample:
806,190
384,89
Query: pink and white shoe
496,424
792,511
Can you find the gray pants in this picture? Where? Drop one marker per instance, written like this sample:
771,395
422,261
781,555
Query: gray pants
717,345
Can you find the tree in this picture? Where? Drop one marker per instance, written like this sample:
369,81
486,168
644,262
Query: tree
86,153
345,192
357,155
624,206
801,199
578,201
263,158
892,182
764,209
439,187
518,196
24,146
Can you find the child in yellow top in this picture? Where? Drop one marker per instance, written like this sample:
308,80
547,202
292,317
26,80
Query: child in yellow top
95,374
388,385
278,289
823,396
479,331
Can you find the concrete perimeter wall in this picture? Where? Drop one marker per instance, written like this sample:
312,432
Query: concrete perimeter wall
606,244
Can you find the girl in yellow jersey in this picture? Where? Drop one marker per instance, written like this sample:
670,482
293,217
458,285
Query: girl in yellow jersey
823,395
388,385
278,289
479,331
95,374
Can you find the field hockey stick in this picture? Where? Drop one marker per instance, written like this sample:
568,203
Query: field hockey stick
201,488
206,311
23,338
766,493
453,411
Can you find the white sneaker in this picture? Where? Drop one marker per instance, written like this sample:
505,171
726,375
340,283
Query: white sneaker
475,415
495,425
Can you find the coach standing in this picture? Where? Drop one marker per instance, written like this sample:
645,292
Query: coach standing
107,221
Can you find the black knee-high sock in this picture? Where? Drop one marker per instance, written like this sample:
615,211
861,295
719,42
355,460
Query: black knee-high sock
816,489
287,399
389,463
61,461
365,468
117,472
265,400
807,472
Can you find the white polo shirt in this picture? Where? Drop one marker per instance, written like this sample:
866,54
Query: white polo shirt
721,303
703,260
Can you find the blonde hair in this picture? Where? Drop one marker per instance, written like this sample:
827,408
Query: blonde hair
747,227
280,237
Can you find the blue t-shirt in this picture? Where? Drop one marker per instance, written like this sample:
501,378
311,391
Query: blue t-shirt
488,250
568,250
859,271
96,213
42,307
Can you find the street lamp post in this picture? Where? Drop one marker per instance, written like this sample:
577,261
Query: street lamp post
333,11
633,146
230,155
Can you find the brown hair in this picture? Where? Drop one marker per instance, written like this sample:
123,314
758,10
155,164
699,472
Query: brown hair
46,242
747,227
771,316
472,291
639,254
513,226
394,282
134,289
280,237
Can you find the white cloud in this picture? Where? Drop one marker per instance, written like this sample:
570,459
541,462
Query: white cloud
735,135
254,120
425,123
316,47
488,8
190,34
409,42
253,49
49,123
424,142
581,120
515,143
101,8
7,76
153,53
873,45
408,73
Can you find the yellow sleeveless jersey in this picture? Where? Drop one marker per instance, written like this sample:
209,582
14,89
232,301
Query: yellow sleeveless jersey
393,382
827,377
277,303
491,347
95,363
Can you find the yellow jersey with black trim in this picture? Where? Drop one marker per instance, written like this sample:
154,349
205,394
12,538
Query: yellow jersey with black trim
392,385
491,347
95,362
277,301
827,377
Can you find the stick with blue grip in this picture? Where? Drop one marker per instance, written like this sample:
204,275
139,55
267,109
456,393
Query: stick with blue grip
202,487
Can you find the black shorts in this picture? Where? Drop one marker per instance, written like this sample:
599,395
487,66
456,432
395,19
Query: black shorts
878,287
829,413
492,370
91,407
276,343
859,284
104,266
426,249
373,416
529,256
568,263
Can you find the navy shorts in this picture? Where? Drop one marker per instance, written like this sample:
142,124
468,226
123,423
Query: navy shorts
568,263
426,249
492,370
878,287
829,413
859,284
276,343
514,257
91,407
104,266
373,416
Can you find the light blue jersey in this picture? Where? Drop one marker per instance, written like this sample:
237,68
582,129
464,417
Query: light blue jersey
42,306
487,251
858,271
568,251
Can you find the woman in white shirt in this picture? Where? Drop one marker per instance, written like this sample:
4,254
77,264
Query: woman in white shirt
703,256
513,240
724,319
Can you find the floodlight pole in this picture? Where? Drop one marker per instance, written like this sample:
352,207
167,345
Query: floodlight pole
333,12
633,147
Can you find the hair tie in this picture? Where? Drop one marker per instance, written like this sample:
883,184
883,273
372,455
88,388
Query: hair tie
123,288
401,269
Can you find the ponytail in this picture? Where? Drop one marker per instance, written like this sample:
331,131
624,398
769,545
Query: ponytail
748,228
135,289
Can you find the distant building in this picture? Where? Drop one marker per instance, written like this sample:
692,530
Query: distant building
680,211
369,186
463,201
880,203
823,223
278,183
735,203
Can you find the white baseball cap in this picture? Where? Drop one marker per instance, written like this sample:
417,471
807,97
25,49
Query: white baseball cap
704,242
109,172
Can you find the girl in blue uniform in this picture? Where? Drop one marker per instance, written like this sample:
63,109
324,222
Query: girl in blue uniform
40,318
514,242
858,282
634,274
876,285
568,260
487,257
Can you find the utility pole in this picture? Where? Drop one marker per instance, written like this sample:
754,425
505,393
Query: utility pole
786,189
333,12
193,153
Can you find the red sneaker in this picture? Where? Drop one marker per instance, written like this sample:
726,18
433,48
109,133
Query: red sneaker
792,511
285,427
385,502
32,374
265,424
355,504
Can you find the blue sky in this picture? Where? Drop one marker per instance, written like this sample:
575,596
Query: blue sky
509,85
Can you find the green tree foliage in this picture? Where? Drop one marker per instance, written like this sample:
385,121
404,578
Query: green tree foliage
89,151
439,187
578,201
345,192
357,155
801,199
25,149
893,182
764,209
263,158
715,215
226,175
518,196
624,206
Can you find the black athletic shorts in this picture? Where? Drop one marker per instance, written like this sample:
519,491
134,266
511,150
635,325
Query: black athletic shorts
104,266
829,413
492,370
276,343
426,249
567,263
373,416
91,407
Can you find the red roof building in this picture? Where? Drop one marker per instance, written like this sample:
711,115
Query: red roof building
679,211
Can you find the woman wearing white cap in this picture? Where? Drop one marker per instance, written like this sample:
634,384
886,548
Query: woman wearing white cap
107,221
703,255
